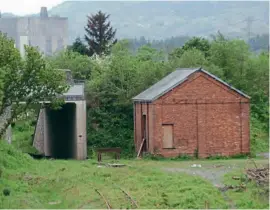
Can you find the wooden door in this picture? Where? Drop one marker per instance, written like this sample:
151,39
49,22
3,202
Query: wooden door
144,136
167,136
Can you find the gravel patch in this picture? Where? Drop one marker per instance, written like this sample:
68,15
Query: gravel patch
264,154
214,175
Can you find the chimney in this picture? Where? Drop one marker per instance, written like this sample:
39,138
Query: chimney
43,12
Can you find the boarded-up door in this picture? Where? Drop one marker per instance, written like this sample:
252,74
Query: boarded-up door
167,136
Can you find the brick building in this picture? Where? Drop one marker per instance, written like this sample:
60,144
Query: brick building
191,111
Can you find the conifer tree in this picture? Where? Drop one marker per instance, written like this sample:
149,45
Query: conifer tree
79,46
100,35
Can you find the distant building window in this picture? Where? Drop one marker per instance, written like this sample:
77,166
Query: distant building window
48,49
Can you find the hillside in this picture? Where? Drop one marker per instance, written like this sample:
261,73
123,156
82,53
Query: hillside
159,20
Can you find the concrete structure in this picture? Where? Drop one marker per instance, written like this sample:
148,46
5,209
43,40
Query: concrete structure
49,34
3,119
62,133
191,111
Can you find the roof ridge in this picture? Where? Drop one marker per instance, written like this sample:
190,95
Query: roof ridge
172,80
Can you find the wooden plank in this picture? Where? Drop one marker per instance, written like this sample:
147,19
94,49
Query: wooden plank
116,149
167,136
139,152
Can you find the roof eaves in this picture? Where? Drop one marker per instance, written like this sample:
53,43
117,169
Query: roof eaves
142,100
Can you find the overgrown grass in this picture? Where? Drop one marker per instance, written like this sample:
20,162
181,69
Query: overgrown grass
22,136
254,197
35,184
259,137
72,184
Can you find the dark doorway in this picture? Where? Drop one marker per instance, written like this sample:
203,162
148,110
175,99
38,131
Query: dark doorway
61,131
144,133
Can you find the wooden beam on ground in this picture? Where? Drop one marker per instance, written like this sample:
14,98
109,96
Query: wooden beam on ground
139,152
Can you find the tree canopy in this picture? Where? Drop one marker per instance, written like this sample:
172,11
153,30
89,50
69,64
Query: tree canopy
118,77
79,46
28,80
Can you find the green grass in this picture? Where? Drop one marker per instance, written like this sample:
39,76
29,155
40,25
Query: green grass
21,136
253,197
34,184
72,184
259,137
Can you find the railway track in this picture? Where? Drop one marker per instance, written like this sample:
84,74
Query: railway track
105,200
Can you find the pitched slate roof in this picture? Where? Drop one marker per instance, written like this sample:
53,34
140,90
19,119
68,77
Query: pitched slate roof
171,81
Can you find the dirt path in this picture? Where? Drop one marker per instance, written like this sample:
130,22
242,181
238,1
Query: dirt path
214,174
264,154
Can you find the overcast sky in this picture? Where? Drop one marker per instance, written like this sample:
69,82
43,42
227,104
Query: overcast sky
23,7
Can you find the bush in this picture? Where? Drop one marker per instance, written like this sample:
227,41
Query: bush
12,158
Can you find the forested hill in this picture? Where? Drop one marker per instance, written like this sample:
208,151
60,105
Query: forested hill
160,20
257,43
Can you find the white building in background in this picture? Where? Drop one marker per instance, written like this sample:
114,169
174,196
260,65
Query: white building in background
49,34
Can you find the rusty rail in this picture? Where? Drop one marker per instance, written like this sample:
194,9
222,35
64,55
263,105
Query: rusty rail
129,196
107,203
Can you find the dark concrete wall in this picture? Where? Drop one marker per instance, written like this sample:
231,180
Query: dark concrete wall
51,130
61,127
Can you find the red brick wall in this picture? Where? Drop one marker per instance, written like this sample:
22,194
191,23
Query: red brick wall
206,114
141,109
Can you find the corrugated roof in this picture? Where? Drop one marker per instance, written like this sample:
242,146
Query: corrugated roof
172,80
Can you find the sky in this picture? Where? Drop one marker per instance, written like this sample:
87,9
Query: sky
24,7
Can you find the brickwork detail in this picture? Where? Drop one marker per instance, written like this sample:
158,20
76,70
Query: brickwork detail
207,116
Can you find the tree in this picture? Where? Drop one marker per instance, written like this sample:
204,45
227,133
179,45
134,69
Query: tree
79,64
120,77
218,37
29,80
99,34
79,46
198,43
192,58
232,57
259,43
